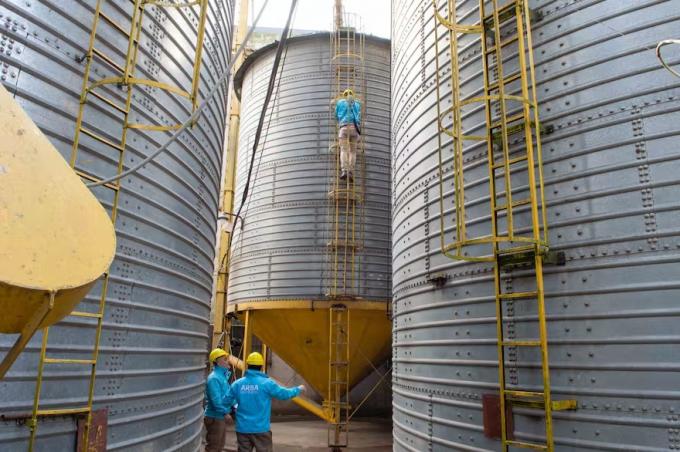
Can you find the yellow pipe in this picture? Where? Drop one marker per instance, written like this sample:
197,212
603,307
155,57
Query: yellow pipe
228,191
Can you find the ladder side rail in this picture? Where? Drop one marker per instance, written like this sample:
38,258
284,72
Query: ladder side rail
503,116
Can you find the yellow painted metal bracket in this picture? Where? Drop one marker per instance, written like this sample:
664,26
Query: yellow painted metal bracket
27,333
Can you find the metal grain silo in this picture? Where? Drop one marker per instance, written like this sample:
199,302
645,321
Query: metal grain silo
151,362
610,128
280,267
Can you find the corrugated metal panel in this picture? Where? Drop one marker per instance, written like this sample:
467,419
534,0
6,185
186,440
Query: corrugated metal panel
151,363
281,251
611,168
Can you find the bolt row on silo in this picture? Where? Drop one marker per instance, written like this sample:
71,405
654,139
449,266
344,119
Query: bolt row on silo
610,122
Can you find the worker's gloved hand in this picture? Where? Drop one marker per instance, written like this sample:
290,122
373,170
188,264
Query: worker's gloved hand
302,388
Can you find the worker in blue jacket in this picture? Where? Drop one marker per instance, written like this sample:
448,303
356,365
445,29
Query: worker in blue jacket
253,397
348,115
216,395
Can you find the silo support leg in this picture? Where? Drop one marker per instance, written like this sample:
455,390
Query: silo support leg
26,334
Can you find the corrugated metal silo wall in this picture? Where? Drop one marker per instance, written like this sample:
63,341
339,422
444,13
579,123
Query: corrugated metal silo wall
151,365
281,251
611,167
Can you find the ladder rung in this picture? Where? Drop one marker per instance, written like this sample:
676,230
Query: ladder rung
68,361
524,394
503,44
517,295
508,120
96,180
521,202
506,80
536,400
521,343
95,315
102,139
339,363
109,102
512,161
115,24
517,250
526,445
62,411
108,60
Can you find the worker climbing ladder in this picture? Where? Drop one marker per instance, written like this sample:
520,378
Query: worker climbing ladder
104,95
347,195
346,221
518,230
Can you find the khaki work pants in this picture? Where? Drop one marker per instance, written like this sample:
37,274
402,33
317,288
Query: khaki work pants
216,429
261,442
348,137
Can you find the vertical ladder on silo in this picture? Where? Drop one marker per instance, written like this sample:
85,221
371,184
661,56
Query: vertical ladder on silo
347,210
346,223
338,376
510,110
100,94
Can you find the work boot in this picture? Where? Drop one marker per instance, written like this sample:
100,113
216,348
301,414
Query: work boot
350,175
343,175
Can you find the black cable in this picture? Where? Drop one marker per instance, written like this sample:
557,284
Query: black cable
270,88
285,34
264,144
269,121
260,124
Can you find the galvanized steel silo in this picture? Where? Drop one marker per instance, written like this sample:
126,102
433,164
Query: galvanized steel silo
611,127
280,254
151,365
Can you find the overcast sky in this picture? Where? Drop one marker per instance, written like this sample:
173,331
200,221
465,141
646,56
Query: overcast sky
318,14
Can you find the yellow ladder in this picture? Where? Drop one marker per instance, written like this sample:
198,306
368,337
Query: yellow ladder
347,210
518,233
338,377
102,94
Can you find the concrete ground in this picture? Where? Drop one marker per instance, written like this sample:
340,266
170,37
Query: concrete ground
311,435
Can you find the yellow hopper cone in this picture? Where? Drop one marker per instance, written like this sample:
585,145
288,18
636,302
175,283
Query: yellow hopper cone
56,240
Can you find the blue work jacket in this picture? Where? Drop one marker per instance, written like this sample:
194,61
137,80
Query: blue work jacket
346,115
253,396
216,393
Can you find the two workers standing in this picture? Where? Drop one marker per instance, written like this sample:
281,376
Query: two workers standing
251,395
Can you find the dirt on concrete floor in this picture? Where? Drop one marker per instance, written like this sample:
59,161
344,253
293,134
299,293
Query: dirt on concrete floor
310,435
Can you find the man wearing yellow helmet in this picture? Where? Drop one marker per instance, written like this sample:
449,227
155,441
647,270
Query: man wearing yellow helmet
253,395
216,408
348,115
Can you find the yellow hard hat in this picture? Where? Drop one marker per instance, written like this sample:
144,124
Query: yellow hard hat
348,92
255,359
217,353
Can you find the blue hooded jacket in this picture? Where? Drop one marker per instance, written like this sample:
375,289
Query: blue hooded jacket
253,394
216,391
346,115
